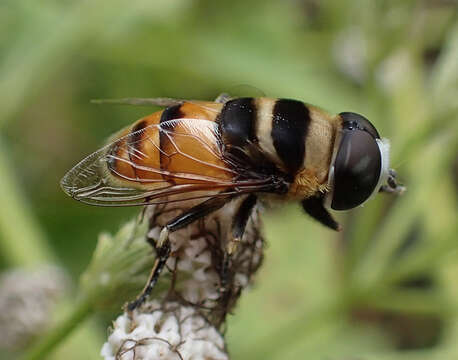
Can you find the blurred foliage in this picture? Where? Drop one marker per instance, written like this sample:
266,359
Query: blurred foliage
385,288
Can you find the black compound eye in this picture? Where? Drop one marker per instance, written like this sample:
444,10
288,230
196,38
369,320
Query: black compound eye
353,121
357,169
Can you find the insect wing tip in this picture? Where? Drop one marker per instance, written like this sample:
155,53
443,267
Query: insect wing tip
67,186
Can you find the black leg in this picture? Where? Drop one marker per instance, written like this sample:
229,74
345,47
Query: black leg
197,212
161,259
163,246
241,219
314,207
238,228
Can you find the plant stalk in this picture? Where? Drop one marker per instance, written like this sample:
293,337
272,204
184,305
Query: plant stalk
59,333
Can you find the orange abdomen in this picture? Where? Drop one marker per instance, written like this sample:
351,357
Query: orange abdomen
156,149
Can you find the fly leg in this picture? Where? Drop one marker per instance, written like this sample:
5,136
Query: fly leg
238,228
392,186
163,247
163,254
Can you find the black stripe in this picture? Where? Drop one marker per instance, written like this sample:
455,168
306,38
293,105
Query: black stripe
170,113
238,122
136,133
290,122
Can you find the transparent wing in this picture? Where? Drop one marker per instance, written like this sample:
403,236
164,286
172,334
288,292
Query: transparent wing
245,90
180,157
161,101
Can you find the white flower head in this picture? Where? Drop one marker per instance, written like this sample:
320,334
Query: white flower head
167,331
191,304
27,298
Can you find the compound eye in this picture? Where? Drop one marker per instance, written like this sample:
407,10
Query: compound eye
353,121
357,169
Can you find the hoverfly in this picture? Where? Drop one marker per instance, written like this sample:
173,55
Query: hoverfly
257,148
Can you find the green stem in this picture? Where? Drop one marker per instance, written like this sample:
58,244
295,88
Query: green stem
59,333
22,242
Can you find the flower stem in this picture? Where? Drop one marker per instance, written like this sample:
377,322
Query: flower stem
59,333
17,222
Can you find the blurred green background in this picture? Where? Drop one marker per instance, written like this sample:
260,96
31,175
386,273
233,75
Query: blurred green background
385,288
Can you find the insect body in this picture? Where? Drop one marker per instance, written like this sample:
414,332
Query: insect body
217,151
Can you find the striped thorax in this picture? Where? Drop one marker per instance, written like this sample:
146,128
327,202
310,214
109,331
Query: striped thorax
293,138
